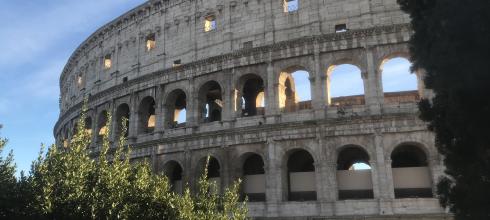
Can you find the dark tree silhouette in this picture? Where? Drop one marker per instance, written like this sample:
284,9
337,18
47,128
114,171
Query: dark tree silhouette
452,44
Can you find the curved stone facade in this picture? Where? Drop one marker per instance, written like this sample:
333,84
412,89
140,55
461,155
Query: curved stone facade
229,65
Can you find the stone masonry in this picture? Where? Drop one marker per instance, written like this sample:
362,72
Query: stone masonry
218,59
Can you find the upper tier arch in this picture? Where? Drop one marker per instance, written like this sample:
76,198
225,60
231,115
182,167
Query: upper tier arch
180,38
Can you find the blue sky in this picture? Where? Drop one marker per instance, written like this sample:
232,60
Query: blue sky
346,80
36,40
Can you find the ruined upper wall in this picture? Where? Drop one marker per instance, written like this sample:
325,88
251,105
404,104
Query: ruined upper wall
178,26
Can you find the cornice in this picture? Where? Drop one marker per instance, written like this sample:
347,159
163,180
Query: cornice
270,130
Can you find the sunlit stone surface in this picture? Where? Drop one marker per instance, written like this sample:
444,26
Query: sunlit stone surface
274,94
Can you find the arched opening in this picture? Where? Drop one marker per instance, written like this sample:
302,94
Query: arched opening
254,178
74,130
411,174
88,125
345,85
214,172
176,109
354,179
253,88
174,172
260,100
66,138
210,102
102,125
400,85
294,90
122,112
301,176
146,115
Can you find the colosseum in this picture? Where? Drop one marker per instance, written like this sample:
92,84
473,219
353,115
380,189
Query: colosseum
220,78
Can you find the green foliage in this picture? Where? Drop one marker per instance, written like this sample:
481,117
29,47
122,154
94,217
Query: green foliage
206,204
63,176
451,42
15,194
7,182
71,184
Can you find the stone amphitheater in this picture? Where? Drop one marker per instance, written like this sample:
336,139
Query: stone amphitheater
217,77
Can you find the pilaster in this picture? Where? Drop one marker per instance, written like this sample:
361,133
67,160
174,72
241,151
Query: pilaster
273,180
319,96
372,85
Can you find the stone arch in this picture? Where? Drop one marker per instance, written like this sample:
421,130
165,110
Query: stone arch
176,109
409,154
74,130
250,87
345,84
287,149
210,101
252,171
398,82
300,175
354,144
421,144
175,173
347,60
355,58
411,172
147,115
66,137
122,111
350,154
214,171
294,88
390,55
353,183
88,125
102,128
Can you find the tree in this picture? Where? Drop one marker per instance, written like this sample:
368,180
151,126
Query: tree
451,43
16,194
7,182
73,185
63,179
208,205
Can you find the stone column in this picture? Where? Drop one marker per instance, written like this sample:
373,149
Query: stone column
236,94
321,171
375,178
159,111
228,100
113,136
133,118
272,100
423,91
273,181
154,159
372,85
93,136
436,168
331,181
189,173
226,169
319,96
192,110
382,178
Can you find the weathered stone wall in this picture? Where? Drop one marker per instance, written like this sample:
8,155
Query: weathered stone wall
280,43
